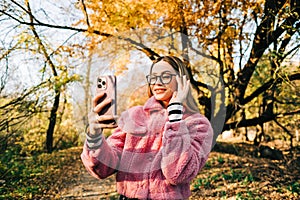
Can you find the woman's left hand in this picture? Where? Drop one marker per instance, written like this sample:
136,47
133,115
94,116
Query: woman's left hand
183,86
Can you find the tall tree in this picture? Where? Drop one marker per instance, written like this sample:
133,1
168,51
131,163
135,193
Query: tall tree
30,41
222,42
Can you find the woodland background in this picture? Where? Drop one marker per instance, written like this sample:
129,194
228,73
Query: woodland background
243,56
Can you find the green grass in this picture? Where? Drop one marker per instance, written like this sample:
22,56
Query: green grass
294,188
31,176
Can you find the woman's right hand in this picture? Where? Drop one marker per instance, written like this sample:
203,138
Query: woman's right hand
97,121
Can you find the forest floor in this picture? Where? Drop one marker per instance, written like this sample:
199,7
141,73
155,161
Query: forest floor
233,171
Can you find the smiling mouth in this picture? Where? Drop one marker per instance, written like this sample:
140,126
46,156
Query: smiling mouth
158,91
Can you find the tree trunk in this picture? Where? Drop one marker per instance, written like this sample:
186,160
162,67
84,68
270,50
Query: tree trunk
52,122
53,114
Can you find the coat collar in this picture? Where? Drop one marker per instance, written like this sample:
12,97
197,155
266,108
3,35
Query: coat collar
152,105
137,120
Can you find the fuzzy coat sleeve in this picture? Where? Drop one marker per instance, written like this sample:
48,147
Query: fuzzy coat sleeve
186,146
104,161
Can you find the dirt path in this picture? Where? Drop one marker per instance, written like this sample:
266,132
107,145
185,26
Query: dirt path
232,175
85,186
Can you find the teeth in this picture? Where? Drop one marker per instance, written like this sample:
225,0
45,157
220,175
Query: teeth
159,90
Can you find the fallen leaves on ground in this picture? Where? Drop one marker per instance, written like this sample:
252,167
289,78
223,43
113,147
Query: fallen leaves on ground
233,171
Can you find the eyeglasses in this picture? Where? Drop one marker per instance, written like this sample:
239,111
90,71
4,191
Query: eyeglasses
165,78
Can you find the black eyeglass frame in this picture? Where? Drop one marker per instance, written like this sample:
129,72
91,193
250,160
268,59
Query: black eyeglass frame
160,77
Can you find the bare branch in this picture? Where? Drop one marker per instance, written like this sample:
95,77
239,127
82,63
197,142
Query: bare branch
24,95
264,36
85,13
267,85
148,51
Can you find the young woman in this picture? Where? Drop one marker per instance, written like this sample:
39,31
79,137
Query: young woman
158,148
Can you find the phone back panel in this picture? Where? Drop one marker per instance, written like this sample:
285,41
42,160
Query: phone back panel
108,85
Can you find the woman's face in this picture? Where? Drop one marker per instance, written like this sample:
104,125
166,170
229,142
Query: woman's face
160,90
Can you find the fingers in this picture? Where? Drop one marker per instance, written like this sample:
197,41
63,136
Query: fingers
102,121
174,94
179,82
101,105
114,125
97,121
97,98
182,82
183,87
95,126
101,118
187,87
107,121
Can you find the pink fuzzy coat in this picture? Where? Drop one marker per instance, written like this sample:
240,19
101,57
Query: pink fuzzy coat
153,158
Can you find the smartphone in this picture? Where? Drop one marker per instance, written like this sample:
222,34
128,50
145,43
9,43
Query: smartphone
108,85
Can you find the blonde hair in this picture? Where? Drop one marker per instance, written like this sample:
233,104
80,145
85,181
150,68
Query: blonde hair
179,66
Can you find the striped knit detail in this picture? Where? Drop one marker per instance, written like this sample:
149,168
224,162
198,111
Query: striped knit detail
94,142
175,111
